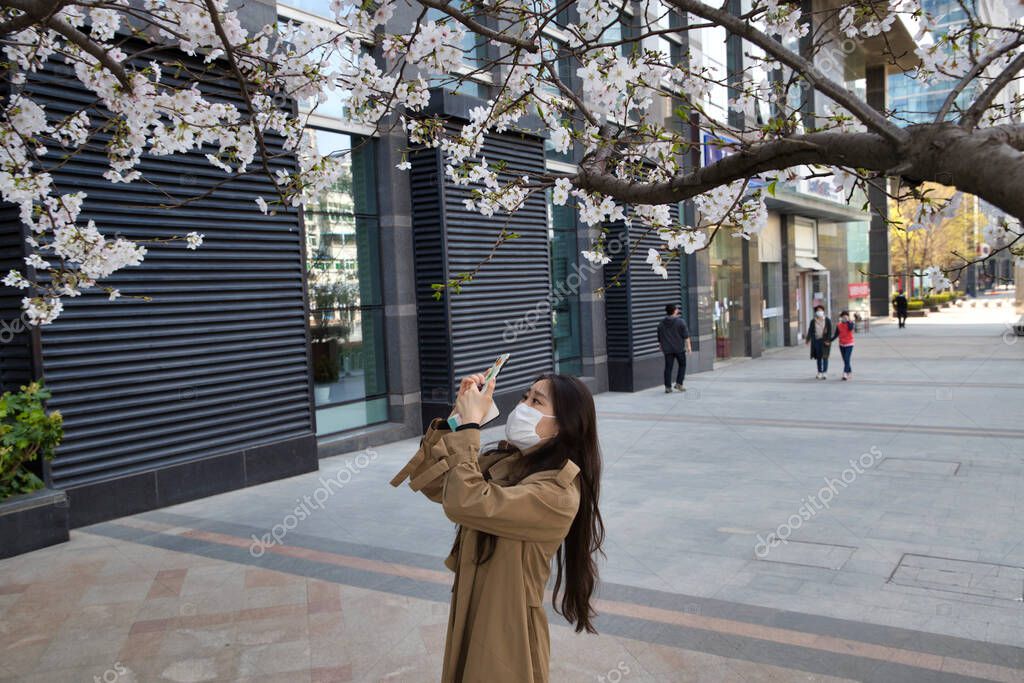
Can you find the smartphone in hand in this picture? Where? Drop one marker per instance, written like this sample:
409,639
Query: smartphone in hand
454,420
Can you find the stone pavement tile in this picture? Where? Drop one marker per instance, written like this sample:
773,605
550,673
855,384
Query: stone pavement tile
329,652
164,608
97,646
291,593
141,649
88,616
19,658
190,669
262,578
775,584
274,658
274,630
214,601
331,674
322,596
327,625
211,579
123,591
167,583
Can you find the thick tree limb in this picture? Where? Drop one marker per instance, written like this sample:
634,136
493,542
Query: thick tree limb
866,114
857,150
1010,134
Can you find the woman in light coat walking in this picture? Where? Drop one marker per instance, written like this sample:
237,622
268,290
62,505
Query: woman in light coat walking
532,497
819,338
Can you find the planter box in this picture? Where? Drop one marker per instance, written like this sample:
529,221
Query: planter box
933,309
919,313
32,521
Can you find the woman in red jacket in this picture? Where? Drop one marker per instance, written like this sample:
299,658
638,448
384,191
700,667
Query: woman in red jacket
844,331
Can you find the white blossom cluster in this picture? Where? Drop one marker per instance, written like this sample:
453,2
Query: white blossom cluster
783,19
1002,232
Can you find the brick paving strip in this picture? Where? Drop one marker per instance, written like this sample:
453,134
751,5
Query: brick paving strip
637,618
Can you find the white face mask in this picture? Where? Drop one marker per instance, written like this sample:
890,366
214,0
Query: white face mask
819,314
521,426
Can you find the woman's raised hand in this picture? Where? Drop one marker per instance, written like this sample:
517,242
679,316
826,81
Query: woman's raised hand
472,380
472,404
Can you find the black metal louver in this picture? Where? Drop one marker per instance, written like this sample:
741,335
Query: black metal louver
206,387
634,308
505,307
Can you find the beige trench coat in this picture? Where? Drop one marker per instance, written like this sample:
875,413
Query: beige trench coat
497,627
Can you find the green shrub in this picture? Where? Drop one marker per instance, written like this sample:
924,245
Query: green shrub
27,432
915,305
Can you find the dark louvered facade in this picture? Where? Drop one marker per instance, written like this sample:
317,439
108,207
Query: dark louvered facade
634,308
506,307
205,387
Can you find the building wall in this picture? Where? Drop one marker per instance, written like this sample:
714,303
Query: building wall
506,307
633,310
206,387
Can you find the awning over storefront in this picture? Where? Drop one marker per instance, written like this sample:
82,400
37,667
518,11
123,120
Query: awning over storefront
806,263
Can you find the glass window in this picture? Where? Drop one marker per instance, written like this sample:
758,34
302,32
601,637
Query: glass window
319,7
727,285
564,69
565,289
771,283
474,56
343,278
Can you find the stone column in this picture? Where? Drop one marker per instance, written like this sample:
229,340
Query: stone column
878,233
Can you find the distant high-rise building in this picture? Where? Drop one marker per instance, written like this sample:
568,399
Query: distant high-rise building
913,100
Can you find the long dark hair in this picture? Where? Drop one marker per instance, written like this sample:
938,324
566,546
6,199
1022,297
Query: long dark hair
576,441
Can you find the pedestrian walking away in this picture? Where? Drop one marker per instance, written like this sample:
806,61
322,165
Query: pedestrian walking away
900,305
517,504
844,332
674,342
819,338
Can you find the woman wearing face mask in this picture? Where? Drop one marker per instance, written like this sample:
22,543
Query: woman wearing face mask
819,338
531,497
844,330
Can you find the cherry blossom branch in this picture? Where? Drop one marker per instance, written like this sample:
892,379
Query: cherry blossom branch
478,28
229,52
969,77
974,113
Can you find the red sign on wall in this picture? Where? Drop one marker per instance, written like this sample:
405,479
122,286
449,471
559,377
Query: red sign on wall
859,290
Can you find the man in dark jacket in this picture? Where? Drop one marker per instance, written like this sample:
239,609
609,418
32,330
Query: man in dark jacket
674,342
900,303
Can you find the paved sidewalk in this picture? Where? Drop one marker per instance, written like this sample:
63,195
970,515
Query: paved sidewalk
906,564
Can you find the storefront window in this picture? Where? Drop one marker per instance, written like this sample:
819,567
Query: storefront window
771,279
857,255
727,288
343,278
565,290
